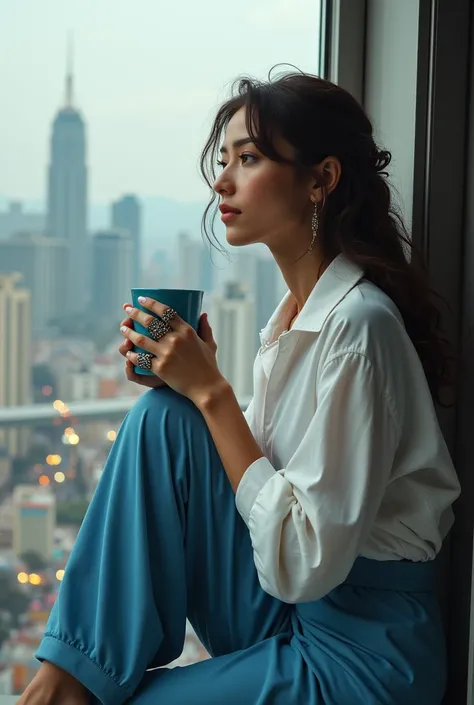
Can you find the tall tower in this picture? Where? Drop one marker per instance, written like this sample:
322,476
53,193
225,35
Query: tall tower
67,196
112,274
126,215
15,356
232,318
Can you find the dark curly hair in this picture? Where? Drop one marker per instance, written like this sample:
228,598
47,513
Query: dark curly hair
320,119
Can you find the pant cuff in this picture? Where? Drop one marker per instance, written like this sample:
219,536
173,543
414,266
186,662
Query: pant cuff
79,665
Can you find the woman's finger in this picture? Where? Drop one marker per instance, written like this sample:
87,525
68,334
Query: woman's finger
125,347
144,380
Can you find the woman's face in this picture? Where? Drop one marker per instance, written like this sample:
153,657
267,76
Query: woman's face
274,206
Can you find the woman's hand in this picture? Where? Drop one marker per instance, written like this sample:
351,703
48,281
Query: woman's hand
145,380
184,360
51,685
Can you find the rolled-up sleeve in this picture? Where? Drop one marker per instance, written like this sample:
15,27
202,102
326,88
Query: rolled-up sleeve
309,520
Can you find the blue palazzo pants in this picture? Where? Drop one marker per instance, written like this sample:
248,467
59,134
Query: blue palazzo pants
162,541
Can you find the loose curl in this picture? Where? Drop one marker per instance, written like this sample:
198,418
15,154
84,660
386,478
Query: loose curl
358,219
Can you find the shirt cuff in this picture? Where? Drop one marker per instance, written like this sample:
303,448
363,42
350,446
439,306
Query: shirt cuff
256,476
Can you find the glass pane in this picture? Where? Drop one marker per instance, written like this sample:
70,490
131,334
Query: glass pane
107,108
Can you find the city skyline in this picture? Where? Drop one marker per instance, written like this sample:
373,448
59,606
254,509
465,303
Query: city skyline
149,98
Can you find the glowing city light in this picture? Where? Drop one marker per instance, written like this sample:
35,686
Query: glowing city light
34,579
53,459
22,578
59,476
59,405
44,480
47,390
60,574
70,436
111,435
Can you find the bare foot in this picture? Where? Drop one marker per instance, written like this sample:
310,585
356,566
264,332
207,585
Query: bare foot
53,686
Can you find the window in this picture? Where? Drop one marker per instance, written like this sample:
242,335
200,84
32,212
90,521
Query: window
107,106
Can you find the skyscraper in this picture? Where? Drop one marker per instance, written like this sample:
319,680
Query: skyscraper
112,273
261,279
15,356
126,215
42,262
195,270
266,292
67,197
232,318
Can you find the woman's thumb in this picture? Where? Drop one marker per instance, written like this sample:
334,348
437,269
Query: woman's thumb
205,330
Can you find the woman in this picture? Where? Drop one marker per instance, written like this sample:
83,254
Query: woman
298,539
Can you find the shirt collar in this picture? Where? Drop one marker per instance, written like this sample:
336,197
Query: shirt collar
336,281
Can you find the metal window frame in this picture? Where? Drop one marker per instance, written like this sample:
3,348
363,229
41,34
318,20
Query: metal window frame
342,43
443,228
439,230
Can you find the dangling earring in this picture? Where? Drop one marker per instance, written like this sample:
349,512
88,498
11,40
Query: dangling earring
314,227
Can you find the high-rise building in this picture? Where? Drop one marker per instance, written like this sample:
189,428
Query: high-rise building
34,520
159,272
42,264
260,278
15,219
126,216
15,356
67,199
266,292
195,269
232,318
112,273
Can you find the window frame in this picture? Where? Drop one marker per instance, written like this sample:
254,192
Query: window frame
443,228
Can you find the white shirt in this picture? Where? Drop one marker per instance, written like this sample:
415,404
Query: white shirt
355,462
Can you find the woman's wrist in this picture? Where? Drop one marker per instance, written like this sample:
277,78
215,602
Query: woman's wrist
54,683
208,397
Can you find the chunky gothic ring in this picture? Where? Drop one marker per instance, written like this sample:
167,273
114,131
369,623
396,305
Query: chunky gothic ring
168,315
157,329
144,360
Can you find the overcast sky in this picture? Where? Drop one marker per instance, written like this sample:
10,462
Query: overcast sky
148,77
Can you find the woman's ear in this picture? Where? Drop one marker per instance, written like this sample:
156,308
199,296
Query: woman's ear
326,177
332,170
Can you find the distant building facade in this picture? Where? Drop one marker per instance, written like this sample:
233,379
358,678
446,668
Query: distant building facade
126,216
34,520
195,269
112,273
15,219
15,356
67,200
42,262
232,317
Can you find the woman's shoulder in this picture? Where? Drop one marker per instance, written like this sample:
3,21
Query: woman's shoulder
367,321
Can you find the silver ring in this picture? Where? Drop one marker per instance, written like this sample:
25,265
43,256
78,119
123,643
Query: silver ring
168,315
144,360
157,329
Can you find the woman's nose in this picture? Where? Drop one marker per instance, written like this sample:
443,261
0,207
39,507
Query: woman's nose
223,184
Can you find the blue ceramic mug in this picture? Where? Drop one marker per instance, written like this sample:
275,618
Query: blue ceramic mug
186,302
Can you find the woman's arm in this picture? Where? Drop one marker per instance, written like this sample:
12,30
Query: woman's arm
309,520
230,431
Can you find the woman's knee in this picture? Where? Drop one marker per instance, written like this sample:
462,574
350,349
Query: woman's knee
164,403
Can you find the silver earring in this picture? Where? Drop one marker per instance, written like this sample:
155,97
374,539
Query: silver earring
314,227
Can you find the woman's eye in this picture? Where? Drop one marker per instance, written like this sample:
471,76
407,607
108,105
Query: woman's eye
242,157
248,156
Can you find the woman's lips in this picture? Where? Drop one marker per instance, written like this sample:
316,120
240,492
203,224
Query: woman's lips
226,217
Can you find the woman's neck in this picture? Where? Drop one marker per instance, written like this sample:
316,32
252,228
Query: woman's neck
301,277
